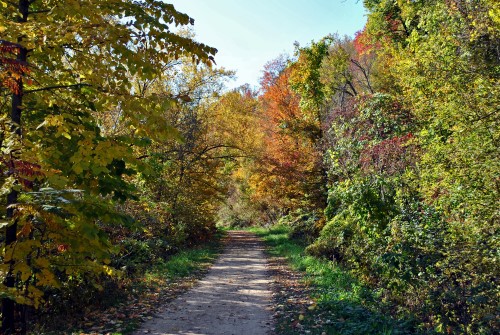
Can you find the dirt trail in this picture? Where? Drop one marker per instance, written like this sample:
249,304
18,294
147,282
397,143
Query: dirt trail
234,298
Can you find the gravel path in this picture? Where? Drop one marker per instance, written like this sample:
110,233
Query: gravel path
234,298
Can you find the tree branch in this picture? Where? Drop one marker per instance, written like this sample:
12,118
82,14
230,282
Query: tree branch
56,87
365,74
40,11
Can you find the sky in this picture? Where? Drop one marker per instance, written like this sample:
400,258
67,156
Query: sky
248,34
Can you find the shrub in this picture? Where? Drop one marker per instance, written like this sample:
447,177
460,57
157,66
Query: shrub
305,226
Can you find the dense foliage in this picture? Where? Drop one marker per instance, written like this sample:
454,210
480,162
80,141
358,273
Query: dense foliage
113,153
119,146
398,129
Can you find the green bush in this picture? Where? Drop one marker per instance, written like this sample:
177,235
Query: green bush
304,225
136,255
421,263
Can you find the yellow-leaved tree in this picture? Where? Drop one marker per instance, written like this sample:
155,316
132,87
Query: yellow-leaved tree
64,64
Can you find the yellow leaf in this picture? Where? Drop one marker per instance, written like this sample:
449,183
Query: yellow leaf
42,262
108,270
24,271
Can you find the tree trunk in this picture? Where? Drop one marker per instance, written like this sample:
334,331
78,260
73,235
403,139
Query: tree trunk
8,305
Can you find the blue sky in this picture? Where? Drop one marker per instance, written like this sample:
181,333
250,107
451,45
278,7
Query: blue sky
248,34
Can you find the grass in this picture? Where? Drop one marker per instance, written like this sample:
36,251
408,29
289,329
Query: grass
186,262
343,304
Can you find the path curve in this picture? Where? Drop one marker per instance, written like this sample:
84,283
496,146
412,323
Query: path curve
234,298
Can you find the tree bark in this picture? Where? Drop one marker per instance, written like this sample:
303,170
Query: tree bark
8,305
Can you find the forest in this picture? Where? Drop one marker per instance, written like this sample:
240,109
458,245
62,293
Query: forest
120,146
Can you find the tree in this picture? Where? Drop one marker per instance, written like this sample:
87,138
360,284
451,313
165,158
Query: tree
237,121
192,164
62,64
291,158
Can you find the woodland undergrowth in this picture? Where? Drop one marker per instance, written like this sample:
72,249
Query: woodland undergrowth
327,299
127,301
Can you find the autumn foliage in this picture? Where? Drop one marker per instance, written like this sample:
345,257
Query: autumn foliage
121,146
290,159
12,70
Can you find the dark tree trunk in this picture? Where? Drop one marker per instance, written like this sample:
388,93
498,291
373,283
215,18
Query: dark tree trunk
8,305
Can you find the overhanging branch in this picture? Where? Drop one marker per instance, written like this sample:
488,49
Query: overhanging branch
56,87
